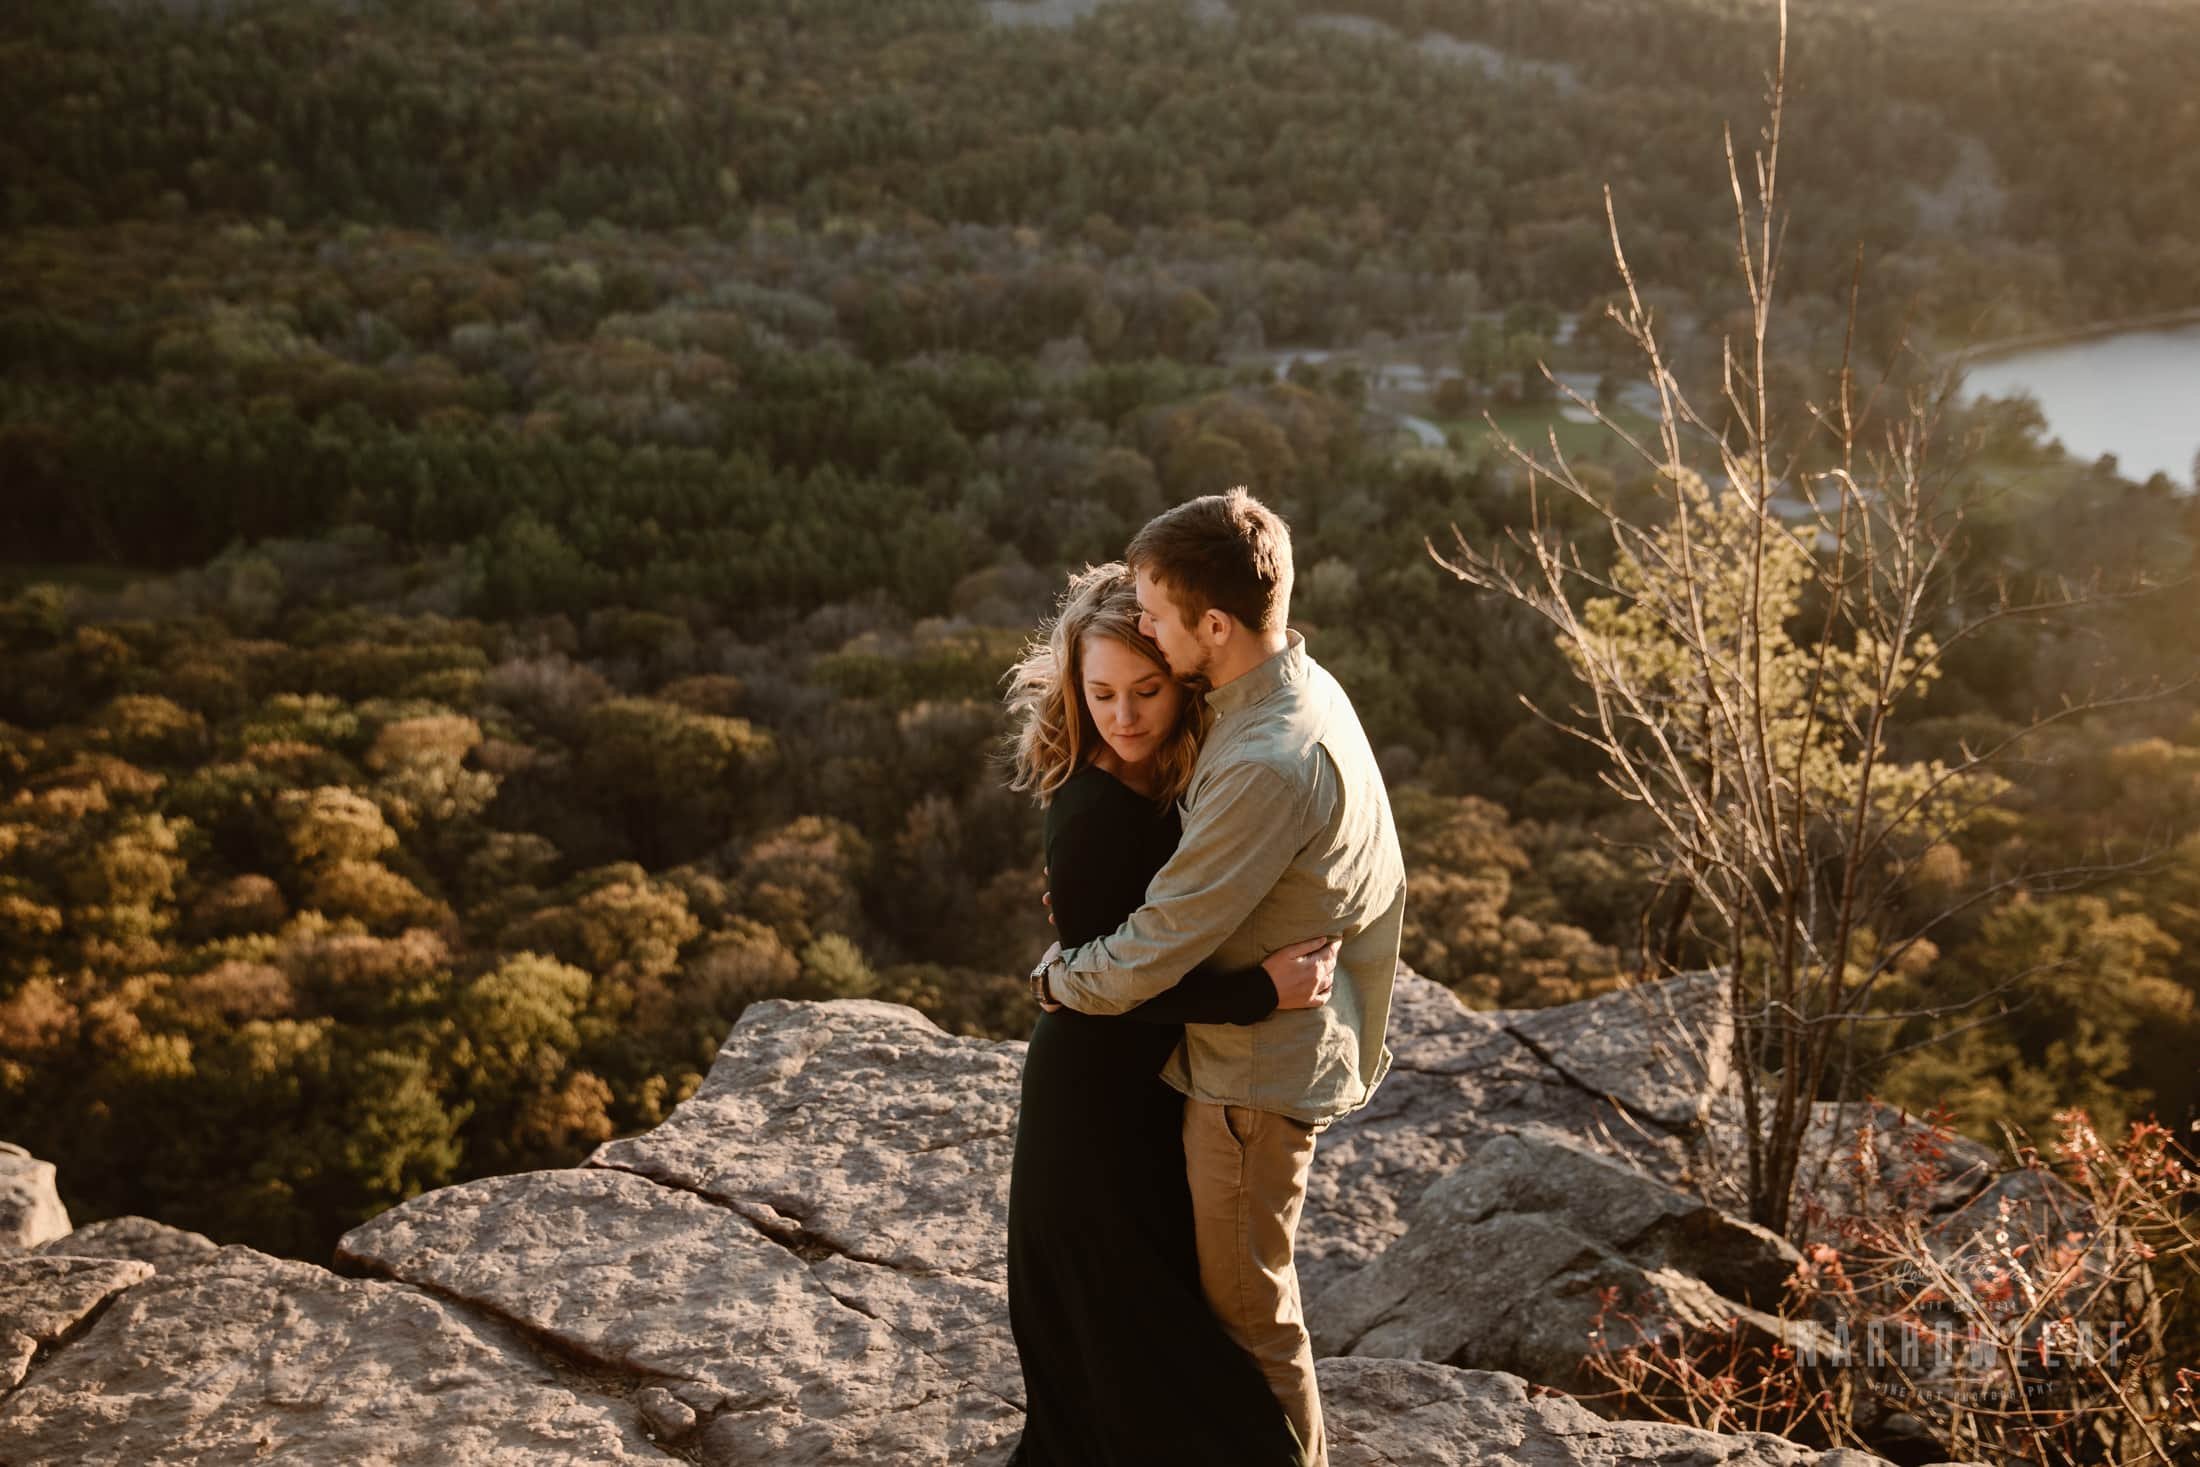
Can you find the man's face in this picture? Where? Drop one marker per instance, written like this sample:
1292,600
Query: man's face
1189,657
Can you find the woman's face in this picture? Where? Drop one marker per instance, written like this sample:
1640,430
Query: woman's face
1132,699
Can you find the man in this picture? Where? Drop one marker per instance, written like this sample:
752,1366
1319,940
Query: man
1287,833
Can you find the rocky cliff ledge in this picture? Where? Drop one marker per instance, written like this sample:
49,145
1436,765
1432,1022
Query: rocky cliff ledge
803,1264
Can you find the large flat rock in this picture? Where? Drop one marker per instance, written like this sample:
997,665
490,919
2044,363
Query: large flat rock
247,1358
780,1354
855,1126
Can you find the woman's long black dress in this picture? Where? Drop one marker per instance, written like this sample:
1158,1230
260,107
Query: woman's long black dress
1124,1362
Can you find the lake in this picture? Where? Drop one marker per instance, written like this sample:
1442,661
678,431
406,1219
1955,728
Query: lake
2135,394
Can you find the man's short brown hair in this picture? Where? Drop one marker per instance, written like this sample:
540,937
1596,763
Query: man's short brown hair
1226,551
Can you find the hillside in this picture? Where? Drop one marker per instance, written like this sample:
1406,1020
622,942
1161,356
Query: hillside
514,517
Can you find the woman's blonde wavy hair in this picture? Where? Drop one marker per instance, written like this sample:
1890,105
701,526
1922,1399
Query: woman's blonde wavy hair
1053,733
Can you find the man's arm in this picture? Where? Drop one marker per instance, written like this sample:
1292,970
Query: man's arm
1236,845
1090,857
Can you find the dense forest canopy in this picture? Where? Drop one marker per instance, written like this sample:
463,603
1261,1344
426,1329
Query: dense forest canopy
515,515
1339,149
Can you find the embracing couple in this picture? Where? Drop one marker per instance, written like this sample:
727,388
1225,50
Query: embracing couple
1227,887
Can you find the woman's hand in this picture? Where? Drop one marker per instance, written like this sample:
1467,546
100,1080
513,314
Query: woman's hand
1303,972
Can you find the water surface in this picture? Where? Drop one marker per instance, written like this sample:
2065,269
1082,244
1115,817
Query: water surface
2135,394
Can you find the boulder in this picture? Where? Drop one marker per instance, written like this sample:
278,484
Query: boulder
1869,1147
1632,1074
1505,1258
30,1208
2029,1209
854,1127
810,1252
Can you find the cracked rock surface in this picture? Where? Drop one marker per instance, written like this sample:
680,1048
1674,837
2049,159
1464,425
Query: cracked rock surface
809,1254
855,1127
42,1299
777,1357
247,1357
805,1263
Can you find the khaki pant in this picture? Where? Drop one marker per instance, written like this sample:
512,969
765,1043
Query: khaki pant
1247,1170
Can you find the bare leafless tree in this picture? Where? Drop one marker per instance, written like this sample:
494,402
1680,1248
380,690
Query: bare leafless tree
1754,733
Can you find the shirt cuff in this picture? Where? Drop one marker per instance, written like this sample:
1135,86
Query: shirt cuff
1084,992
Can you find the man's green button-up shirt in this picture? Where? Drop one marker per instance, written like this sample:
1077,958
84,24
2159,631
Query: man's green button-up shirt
1287,835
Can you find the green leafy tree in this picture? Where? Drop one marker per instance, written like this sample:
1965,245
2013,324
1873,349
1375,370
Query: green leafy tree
834,967
399,1136
678,782
2085,992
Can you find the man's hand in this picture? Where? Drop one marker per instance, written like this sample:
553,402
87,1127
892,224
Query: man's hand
1047,897
1304,972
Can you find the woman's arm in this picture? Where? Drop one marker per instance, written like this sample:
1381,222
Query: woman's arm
1206,996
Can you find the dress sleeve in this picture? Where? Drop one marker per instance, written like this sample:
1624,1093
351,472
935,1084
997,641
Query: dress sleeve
1245,996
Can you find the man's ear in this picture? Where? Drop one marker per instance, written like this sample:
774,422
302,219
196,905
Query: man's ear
1215,626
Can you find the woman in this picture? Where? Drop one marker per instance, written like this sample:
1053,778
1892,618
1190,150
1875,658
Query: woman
1124,1363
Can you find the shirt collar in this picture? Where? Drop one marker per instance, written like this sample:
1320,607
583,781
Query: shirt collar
1279,671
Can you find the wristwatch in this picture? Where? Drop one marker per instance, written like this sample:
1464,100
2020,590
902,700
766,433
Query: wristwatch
1041,993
